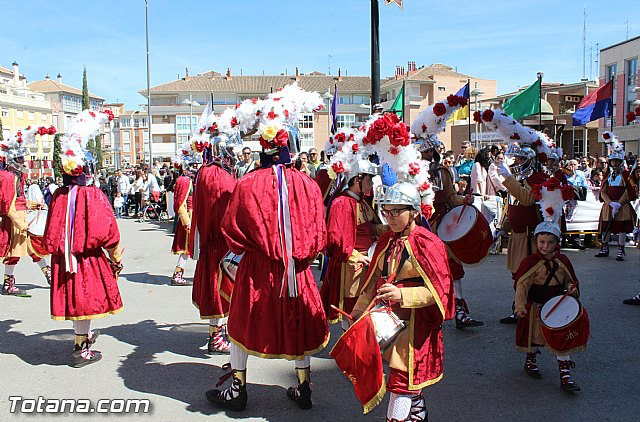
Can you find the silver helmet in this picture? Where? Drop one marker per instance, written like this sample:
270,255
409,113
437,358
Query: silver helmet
362,167
548,227
402,193
524,170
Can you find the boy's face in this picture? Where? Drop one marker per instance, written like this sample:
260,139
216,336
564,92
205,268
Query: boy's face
547,243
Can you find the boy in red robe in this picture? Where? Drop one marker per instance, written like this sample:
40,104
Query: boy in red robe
84,280
276,219
214,187
420,293
183,207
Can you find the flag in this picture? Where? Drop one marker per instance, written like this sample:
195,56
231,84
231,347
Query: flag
398,104
398,2
357,354
526,103
597,104
334,110
461,113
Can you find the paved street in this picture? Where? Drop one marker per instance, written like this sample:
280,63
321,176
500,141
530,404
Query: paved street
155,349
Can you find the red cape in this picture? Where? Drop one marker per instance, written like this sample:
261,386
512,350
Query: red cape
7,195
181,192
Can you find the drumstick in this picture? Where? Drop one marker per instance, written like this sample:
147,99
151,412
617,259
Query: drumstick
340,311
567,293
466,202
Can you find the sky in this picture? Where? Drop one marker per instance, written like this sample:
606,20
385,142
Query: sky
509,41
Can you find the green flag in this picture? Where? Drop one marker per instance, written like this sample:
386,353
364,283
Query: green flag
398,104
524,104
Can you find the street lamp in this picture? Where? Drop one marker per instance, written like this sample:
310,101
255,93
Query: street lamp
327,96
190,103
476,93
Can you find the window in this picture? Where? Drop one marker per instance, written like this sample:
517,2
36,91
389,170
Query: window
344,99
346,120
32,115
116,123
5,113
126,147
43,117
306,122
143,122
95,105
632,72
126,136
72,103
361,99
125,122
182,139
442,88
20,114
182,123
136,122
225,99
306,140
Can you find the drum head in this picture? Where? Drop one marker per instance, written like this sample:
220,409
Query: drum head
450,229
230,264
37,221
564,314
372,249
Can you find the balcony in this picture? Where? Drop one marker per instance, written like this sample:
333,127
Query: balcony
163,148
30,103
163,128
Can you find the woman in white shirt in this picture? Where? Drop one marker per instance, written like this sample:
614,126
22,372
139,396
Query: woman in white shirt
137,186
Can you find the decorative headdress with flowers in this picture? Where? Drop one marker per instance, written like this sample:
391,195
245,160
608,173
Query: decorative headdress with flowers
433,119
552,195
18,145
513,131
84,127
614,146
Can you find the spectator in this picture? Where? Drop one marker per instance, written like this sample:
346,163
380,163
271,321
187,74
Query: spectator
594,182
246,164
462,187
584,166
480,172
602,164
49,190
314,162
104,187
302,163
494,180
118,204
575,177
136,188
465,162
123,186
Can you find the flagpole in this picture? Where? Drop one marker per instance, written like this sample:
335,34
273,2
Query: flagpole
375,54
613,84
404,95
540,75
469,114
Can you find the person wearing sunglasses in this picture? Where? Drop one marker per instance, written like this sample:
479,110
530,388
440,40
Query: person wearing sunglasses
246,164
352,228
409,273
314,162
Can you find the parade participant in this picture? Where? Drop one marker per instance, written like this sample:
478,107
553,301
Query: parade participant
37,219
15,241
352,228
275,218
617,192
214,186
80,225
427,125
330,182
528,149
540,277
183,207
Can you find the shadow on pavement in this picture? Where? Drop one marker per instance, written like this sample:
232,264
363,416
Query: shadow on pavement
49,348
146,278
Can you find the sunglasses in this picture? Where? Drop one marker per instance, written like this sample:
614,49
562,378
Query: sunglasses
393,213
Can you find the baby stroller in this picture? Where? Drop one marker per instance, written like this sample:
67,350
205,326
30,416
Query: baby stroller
155,209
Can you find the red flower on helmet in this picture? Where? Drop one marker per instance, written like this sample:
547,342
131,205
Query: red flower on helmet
355,148
338,167
536,192
70,153
340,137
271,115
542,157
606,135
549,210
254,100
477,117
234,122
424,186
552,184
631,116
453,100
414,168
394,150
424,128
264,143
439,109
515,137
352,137
282,138
380,128
393,117
567,193
42,131
399,135
427,210
213,128
92,114
52,130
487,115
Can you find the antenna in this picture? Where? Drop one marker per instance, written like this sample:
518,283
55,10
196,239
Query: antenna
627,23
597,57
584,43
329,64
591,62
301,64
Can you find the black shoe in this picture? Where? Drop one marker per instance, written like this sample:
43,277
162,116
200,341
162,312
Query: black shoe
574,244
511,319
604,252
237,403
467,322
83,355
633,301
301,395
620,255
569,386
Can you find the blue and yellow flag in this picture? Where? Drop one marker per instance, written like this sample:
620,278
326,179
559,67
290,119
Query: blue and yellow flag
461,113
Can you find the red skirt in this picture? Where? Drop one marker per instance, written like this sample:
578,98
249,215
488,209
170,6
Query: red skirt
92,292
205,293
180,240
267,325
36,246
331,291
457,270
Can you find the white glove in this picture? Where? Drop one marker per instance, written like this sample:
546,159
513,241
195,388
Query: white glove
503,169
615,207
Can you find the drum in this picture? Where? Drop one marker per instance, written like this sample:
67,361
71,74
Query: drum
468,238
387,325
372,249
37,221
567,327
229,265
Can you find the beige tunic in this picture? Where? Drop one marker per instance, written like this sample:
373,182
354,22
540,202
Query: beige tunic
517,248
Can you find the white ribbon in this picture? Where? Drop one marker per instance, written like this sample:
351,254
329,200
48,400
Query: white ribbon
284,226
70,261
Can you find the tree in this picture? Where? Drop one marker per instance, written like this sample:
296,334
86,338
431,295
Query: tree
57,151
85,91
97,151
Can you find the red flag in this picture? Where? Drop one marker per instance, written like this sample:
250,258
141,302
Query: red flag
358,356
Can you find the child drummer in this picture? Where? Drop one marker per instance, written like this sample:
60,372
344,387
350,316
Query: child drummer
409,271
540,277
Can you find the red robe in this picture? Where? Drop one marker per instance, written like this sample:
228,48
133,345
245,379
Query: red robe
261,320
210,199
7,195
426,352
344,236
182,197
92,291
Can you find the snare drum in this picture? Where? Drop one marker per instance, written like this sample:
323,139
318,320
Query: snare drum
229,265
386,324
469,237
37,221
567,327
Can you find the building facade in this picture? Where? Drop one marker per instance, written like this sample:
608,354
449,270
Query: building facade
21,107
620,63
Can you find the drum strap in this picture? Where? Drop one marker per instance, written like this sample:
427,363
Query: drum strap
552,272
403,259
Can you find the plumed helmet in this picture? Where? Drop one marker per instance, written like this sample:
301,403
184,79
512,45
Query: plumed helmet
548,227
403,193
362,167
524,170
